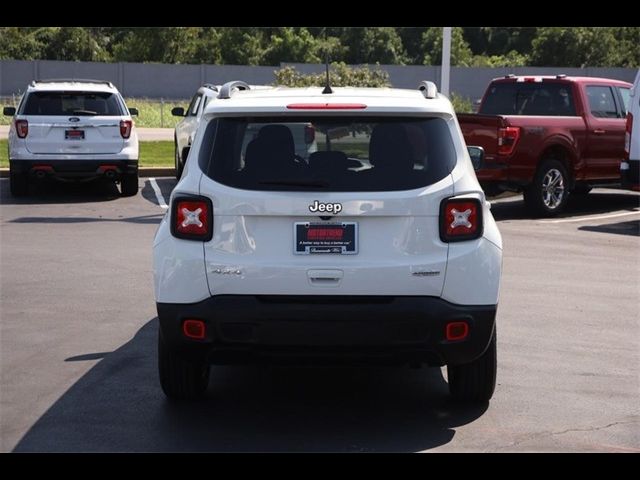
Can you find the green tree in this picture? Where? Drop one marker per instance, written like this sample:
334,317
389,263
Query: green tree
432,47
374,44
292,44
71,43
628,45
511,59
153,44
241,45
340,75
17,43
575,47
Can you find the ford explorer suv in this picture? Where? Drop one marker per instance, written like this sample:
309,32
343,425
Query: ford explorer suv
630,166
72,130
381,247
186,128
548,137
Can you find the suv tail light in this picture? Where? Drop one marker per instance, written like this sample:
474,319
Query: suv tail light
627,136
192,218
507,139
125,128
460,219
22,128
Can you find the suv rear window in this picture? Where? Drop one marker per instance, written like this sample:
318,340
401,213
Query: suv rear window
72,103
537,98
327,153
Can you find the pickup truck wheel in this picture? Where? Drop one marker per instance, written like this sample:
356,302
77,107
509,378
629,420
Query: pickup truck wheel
180,379
547,195
129,184
18,184
475,382
177,161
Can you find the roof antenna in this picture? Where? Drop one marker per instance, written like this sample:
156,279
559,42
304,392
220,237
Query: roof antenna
327,87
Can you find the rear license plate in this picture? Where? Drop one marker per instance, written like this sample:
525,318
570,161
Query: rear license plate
74,134
338,238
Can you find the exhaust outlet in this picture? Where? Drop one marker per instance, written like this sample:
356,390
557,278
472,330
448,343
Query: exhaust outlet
110,174
40,174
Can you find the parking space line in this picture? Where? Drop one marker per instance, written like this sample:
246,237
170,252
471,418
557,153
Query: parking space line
588,218
158,193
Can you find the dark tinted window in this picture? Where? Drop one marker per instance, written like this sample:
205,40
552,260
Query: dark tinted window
72,103
525,98
328,153
601,102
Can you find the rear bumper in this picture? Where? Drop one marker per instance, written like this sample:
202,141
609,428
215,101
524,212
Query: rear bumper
74,168
389,330
630,174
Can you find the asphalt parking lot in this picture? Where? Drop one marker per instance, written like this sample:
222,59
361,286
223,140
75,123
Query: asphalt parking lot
78,344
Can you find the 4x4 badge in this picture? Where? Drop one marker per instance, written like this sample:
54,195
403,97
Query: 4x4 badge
325,207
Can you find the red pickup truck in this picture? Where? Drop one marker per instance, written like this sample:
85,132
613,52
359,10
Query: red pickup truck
548,136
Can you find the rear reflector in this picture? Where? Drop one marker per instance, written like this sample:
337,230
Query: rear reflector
194,329
192,218
22,128
326,106
460,219
457,331
125,128
627,136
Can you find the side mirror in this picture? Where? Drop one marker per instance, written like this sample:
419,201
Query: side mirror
133,112
177,112
9,111
477,157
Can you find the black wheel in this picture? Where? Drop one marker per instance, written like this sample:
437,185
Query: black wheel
180,379
475,381
178,162
129,184
547,195
18,184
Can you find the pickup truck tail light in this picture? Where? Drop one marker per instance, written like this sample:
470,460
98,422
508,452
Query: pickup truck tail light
125,128
22,128
192,218
627,136
507,140
460,219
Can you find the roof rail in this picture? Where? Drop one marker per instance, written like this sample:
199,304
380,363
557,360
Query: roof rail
510,75
63,80
428,89
210,86
227,89
561,75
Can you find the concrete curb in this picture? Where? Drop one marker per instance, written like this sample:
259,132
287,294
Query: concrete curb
142,172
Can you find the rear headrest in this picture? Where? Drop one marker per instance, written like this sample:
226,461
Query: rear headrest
390,148
328,160
277,138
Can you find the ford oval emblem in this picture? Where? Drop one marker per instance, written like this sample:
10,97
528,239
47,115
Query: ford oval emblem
74,119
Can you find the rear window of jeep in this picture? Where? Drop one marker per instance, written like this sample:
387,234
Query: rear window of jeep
327,153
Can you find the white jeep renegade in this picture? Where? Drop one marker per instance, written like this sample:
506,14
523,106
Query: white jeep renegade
379,246
72,130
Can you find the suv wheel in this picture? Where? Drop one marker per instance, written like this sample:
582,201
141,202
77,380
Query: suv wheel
547,195
18,184
475,381
129,184
177,161
180,379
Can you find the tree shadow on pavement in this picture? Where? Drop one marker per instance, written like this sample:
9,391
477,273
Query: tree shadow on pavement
596,202
118,406
620,228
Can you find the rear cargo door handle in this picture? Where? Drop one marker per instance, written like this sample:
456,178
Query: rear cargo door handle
325,278
599,132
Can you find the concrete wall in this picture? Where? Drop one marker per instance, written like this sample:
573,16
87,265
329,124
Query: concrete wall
155,80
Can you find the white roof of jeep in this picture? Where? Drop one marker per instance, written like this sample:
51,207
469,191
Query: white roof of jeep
70,85
377,100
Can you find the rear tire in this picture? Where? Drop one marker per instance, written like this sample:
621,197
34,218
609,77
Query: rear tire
129,184
547,195
178,162
180,379
18,184
475,382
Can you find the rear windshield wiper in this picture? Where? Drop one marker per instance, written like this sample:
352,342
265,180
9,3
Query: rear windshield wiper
296,183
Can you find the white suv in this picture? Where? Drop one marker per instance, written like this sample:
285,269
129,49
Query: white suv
380,246
72,130
186,128
630,165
